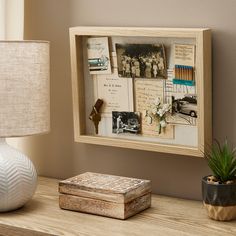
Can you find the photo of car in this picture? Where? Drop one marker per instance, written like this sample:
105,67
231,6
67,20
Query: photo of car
132,126
188,108
98,55
98,64
191,98
186,105
125,122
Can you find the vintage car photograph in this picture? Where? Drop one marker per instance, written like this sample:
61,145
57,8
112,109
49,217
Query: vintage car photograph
98,64
125,122
186,105
98,55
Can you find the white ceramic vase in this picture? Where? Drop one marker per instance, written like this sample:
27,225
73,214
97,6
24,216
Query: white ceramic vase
18,178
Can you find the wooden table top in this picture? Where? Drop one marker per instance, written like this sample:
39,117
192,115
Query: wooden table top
167,216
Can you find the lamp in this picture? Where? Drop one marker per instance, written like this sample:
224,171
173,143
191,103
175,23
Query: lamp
24,110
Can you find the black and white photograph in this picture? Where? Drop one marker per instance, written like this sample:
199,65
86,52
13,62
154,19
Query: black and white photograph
184,110
141,60
125,122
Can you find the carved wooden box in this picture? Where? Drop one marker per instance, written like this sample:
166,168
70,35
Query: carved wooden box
106,195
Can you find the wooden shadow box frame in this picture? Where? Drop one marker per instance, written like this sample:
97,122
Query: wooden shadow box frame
202,38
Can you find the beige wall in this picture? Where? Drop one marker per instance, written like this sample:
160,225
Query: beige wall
53,154
57,155
11,19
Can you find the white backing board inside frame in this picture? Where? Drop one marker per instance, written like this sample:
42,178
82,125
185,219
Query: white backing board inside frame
184,135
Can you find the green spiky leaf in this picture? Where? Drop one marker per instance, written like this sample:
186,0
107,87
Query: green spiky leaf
222,161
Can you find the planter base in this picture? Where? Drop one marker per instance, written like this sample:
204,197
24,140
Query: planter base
222,213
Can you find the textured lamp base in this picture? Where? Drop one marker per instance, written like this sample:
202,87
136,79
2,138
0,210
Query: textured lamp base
18,178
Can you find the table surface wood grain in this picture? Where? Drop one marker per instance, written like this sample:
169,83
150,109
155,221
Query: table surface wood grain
167,216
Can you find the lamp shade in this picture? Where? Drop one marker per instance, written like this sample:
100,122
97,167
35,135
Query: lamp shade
24,88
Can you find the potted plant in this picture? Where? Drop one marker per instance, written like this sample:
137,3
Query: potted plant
219,189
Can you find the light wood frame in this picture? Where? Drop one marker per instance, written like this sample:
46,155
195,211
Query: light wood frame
202,37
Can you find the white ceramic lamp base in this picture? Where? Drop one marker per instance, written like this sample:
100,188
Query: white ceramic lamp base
18,178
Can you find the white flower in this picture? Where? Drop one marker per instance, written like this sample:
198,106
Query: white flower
160,112
163,123
154,111
166,107
157,101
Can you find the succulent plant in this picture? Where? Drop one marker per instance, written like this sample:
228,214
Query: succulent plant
222,161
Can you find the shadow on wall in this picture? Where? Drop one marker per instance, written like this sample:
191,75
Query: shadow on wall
162,169
224,84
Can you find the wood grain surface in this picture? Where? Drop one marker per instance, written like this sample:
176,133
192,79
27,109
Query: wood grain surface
110,188
105,208
167,216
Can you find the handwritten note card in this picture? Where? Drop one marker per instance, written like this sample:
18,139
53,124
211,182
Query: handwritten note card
184,54
146,91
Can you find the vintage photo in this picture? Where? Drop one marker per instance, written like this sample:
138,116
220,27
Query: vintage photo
98,56
125,122
141,60
184,110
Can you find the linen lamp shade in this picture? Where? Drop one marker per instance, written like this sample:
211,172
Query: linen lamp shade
24,110
24,88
